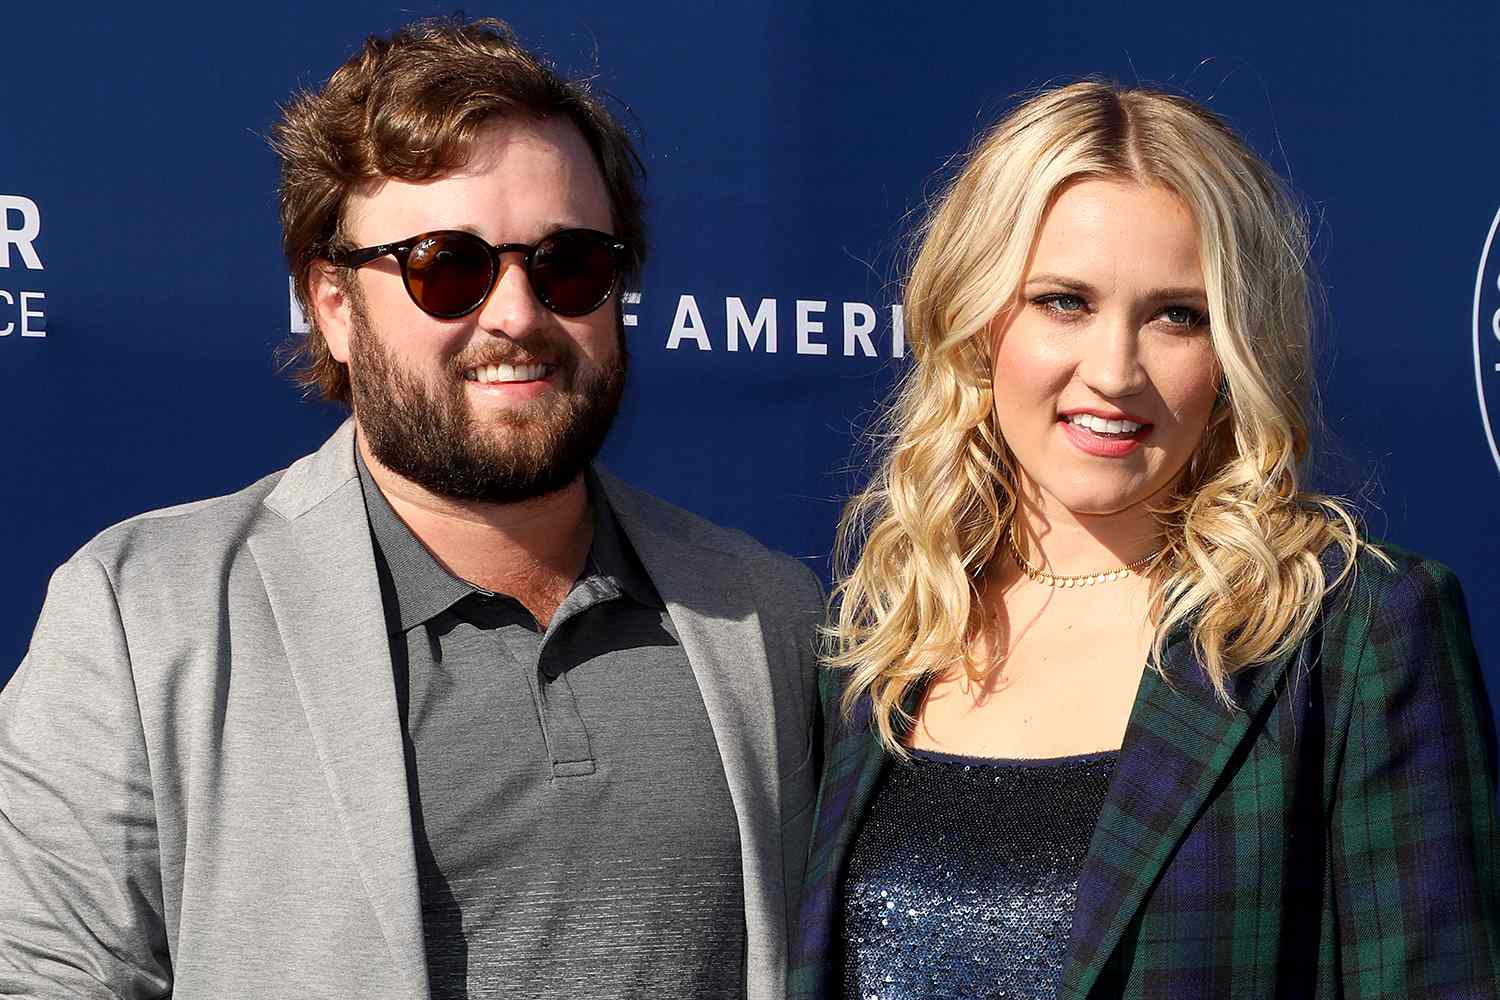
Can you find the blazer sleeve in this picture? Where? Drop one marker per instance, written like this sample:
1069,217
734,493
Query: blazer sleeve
1413,837
81,904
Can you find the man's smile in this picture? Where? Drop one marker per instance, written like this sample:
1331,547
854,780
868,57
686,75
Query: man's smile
500,374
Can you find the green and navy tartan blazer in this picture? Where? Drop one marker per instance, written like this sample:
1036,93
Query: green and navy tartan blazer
1334,836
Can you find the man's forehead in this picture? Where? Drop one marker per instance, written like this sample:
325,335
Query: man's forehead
555,135
538,168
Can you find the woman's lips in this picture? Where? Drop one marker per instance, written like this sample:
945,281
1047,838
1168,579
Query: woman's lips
1103,445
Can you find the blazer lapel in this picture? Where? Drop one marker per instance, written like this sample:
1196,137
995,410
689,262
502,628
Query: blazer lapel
711,606
1177,744
853,762
319,573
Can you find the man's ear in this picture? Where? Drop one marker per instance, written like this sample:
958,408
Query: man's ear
332,306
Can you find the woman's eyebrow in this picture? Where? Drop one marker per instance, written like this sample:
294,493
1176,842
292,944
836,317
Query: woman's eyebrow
1184,292
1194,292
1071,284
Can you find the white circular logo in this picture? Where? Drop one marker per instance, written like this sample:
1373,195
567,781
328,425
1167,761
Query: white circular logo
1487,337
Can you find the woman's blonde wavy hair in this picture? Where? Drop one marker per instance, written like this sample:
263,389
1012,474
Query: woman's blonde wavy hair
1240,563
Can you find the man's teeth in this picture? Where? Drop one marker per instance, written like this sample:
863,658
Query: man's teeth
506,373
1101,426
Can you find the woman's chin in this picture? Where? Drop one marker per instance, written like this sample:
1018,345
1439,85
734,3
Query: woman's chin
1097,504
1095,497
1101,510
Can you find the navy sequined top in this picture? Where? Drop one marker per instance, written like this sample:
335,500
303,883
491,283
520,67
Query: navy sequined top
964,874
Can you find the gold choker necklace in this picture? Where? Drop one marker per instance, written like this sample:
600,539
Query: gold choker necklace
1086,580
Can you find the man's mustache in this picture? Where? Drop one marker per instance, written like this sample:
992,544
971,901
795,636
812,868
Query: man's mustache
561,357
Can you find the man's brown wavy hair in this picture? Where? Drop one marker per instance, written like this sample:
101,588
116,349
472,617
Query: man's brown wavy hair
409,107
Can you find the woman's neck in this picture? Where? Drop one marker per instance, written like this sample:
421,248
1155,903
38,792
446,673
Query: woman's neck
1064,543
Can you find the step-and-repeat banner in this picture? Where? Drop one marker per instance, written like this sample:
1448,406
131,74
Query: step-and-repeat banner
789,147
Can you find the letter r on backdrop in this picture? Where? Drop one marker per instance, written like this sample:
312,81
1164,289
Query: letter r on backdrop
31,227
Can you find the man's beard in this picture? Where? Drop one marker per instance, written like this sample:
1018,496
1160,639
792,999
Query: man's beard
430,436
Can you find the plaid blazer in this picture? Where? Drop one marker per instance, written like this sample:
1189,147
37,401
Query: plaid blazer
1333,837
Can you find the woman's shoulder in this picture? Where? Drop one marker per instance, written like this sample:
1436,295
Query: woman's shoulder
1414,721
1391,611
1389,577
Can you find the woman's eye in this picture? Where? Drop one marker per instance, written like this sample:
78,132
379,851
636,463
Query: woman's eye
1065,304
1184,316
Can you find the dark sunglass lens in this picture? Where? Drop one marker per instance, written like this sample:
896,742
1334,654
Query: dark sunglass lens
449,274
573,272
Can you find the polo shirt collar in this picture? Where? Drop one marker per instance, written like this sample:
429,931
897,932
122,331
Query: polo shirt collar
425,589
611,555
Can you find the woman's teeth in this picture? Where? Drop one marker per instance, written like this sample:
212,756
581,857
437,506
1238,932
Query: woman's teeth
1101,426
507,373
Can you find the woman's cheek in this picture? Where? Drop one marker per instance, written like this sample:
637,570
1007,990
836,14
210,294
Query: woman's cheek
1028,368
1189,383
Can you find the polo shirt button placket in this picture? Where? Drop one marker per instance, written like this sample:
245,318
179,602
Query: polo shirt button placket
563,726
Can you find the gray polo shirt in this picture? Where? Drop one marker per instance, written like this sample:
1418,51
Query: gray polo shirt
574,832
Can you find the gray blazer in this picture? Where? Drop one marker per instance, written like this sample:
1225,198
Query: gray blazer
202,787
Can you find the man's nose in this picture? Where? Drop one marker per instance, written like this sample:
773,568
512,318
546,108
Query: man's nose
512,310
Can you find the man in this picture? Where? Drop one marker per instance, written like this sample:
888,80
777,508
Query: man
440,710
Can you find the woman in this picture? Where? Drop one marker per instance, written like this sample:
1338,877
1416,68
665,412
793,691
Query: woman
1116,708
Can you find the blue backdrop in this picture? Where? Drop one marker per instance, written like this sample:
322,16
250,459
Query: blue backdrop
142,290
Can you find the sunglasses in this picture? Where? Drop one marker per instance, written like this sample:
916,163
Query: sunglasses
450,273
